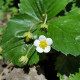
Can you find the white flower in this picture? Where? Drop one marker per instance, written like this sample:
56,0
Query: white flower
43,44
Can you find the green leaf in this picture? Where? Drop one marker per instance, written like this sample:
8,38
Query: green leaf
36,8
13,43
74,76
34,58
1,3
60,76
2,15
67,65
65,32
74,10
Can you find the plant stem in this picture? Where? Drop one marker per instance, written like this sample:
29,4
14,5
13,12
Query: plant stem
29,49
34,25
6,68
52,19
45,19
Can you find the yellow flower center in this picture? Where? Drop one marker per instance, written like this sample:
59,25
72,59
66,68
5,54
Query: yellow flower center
43,44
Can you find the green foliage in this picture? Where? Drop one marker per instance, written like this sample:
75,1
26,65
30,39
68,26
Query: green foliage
64,31
34,58
74,10
67,65
36,8
7,6
2,15
13,10
1,3
13,44
9,2
74,76
66,34
2,29
60,76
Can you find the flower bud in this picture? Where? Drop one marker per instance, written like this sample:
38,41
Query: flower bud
43,15
23,60
44,26
28,36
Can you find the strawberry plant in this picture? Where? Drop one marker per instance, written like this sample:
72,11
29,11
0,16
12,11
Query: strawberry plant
40,28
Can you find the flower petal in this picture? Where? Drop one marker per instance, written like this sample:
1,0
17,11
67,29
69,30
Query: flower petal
49,41
36,43
35,36
47,49
42,37
40,50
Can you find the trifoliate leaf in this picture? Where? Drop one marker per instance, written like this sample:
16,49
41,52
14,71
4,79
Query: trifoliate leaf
65,32
13,43
36,8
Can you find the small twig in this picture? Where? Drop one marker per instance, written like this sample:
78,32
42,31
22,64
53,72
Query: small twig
29,49
6,68
34,25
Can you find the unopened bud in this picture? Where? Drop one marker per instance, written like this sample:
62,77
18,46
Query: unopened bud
28,36
44,26
23,60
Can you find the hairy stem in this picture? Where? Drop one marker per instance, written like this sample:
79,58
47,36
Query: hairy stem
34,25
45,19
52,19
29,49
